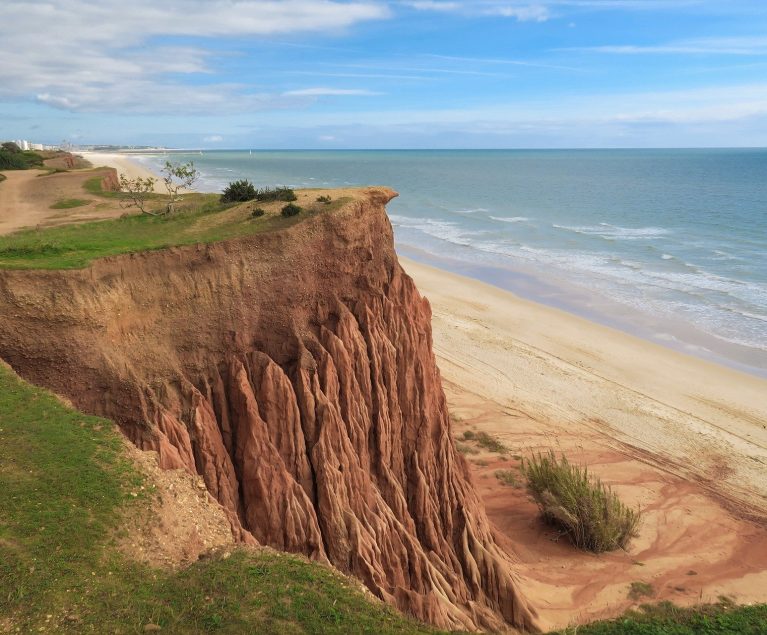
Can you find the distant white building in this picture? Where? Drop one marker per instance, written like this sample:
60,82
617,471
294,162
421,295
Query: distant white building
22,143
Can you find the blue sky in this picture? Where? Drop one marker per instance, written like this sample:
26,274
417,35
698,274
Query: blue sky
385,74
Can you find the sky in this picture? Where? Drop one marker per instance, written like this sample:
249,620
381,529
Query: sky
326,74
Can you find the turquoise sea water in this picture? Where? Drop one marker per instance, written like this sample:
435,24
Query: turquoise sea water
667,244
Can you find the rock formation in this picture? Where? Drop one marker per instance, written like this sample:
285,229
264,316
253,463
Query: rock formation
294,371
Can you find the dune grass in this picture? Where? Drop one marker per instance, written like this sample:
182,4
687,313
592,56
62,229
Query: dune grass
579,504
200,218
65,485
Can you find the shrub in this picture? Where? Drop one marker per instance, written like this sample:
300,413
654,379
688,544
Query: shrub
257,212
324,199
291,210
268,194
588,511
489,442
238,192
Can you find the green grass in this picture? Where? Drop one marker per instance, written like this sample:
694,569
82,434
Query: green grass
723,618
69,203
580,505
65,485
200,218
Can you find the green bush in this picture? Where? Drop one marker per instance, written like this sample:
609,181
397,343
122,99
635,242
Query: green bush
291,210
238,192
257,213
268,194
588,511
324,199
19,160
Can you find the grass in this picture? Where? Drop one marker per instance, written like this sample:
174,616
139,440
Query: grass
585,509
69,203
2,178
508,478
65,485
723,618
485,440
639,590
200,218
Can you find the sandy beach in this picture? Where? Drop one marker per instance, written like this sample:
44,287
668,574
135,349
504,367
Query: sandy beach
683,438
123,164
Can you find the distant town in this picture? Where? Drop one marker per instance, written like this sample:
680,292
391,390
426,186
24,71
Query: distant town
28,145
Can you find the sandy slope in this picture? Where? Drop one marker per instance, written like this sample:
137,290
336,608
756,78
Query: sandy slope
26,197
682,437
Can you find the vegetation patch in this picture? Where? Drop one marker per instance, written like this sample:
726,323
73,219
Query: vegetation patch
324,199
465,448
508,478
639,590
580,505
665,618
238,192
69,203
199,218
485,440
66,485
14,158
291,209
269,194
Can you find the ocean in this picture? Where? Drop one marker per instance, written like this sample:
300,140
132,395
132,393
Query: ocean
669,245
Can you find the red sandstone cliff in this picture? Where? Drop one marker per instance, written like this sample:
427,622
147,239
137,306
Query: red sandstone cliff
293,370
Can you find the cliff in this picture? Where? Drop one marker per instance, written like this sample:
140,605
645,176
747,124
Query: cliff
293,370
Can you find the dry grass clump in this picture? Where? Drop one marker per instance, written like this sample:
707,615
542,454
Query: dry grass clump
508,478
587,510
485,440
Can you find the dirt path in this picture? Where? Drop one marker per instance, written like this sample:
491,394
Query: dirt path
26,197
680,437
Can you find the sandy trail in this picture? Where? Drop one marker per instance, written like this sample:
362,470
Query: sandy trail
26,197
682,437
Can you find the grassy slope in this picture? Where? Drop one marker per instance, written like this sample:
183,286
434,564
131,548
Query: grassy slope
666,619
201,218
65,484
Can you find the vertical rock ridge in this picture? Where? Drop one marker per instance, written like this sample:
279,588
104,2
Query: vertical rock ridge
302,389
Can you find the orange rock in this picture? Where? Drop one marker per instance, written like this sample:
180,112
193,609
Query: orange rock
293,371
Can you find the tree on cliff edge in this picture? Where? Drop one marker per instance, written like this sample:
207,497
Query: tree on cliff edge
178,176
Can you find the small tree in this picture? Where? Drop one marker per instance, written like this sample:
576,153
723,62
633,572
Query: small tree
136,192
178,176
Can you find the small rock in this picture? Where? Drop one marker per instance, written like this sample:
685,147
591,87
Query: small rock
152,628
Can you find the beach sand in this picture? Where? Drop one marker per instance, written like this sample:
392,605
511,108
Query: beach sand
124,164
683,438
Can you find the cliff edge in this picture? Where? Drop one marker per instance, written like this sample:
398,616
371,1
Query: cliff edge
293,370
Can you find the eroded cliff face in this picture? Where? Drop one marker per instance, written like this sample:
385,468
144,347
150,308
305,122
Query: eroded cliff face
293,370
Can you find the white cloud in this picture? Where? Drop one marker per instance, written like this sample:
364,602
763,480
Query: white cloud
83,55
325,92
523,12
215,138
326,137
742,45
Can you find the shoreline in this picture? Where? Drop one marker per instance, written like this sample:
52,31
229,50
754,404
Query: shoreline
684,439
546,288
